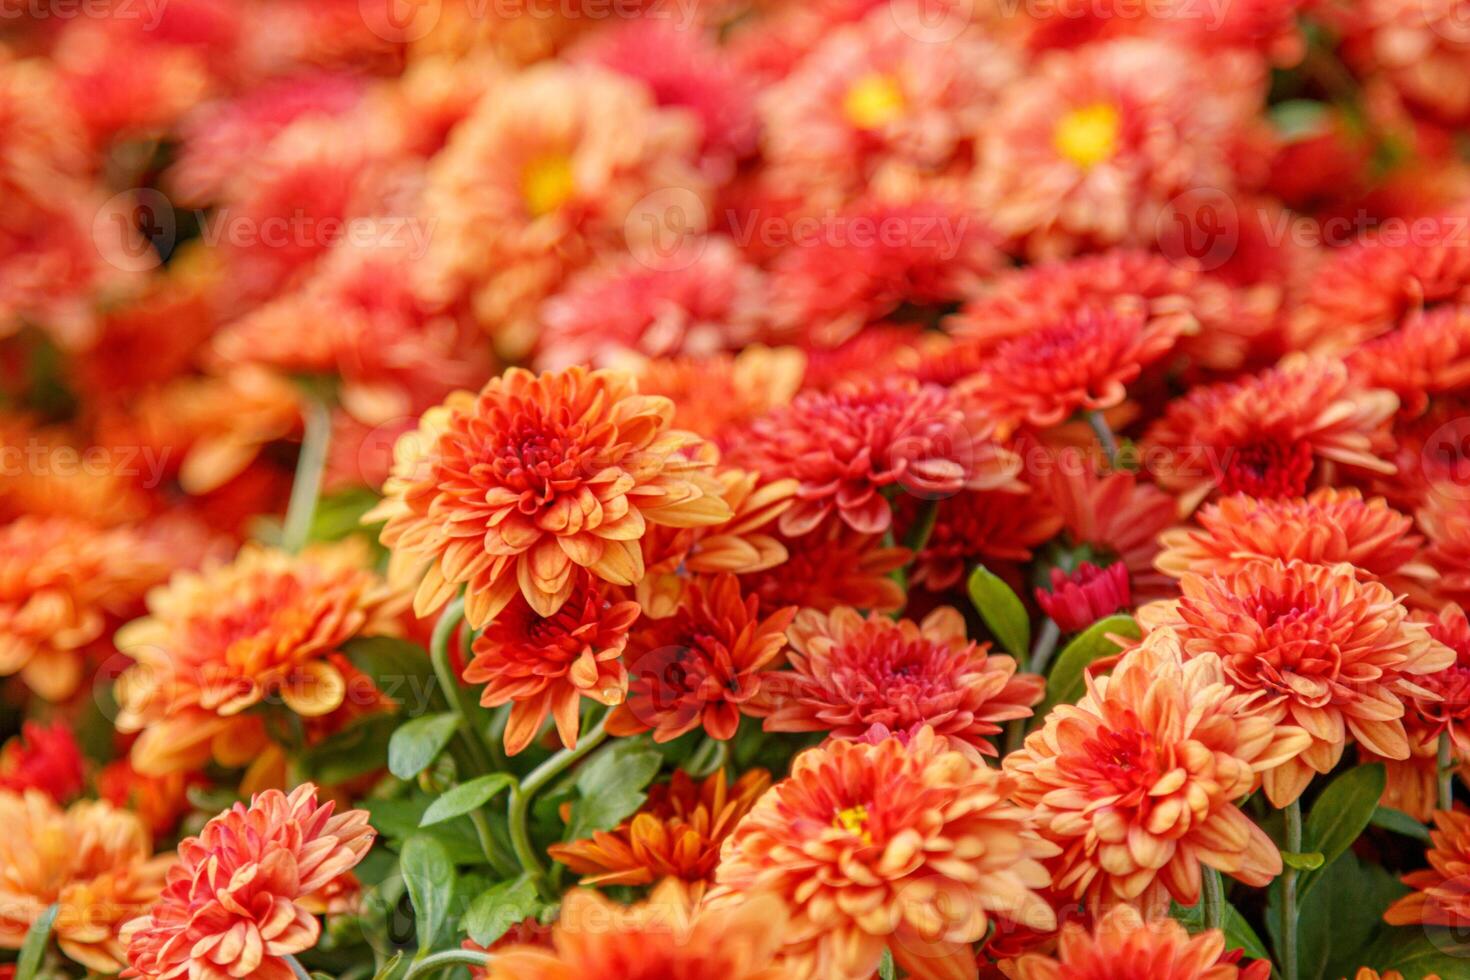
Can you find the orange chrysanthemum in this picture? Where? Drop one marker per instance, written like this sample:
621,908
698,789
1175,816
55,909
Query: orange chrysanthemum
881,844
1266,434
1124,944
1137,782
95,862
63,582
676,834
836,567
1445,521
717,395
219,642
1332,653
233,905
663,937
544,666
702,666
1326,527
1429,355
160,801
1079,362
851,672
518,487
847,446
1440,896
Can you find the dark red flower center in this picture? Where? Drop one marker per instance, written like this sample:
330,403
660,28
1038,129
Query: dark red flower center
1266,470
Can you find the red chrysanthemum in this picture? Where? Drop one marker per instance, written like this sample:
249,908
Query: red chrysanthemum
516,488
1079,598
836,567
702,666
546,665
1429,355
232,906
851,672
847,446
1335,654
984,525
46,758
1267,433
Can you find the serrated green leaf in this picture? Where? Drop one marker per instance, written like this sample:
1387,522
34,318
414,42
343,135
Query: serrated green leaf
428,874
610,787
1003,611
418,741
1339,815
1400,823
33,948
1303,860
461,799
1064,683
497,909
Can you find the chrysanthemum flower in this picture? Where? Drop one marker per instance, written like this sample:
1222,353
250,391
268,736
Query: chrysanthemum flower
714,302
847,446
702,666
1078,363
1334,654
43,757
850,672
1091,150
62,583
881,844
1078,598
663,937
518,487
232,906
545,666
676,834
1427,356
1445,521
544,174
1212,322
1267,433
219,642
1137,782
1327,527
836,567
94,862
1422,47
983,525
718,395
1367,288
1440,896
872,99
159,801
1123,944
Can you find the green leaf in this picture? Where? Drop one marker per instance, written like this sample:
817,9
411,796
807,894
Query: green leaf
418,742
1332,935
1399,822
1339,815
428,873
495,910
1418,951
1238,932
1002,610
390,968
461,799
610,787
1065,684
34,946
885,965
1299,119
350,753
399,668
1303,860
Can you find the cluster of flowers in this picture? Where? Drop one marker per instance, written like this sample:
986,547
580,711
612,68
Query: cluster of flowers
930,488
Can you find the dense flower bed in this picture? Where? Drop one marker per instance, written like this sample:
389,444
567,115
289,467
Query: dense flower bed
739,489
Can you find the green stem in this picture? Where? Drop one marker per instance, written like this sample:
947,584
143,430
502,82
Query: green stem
454,693
503,863
1214,899
297,968
449,957
1045,646
1104,434
307,486
522,795
1446,772
918,537
709,757
1288,891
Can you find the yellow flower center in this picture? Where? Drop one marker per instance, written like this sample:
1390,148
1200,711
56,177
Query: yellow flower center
547,183
1088,135
854,820
873,101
